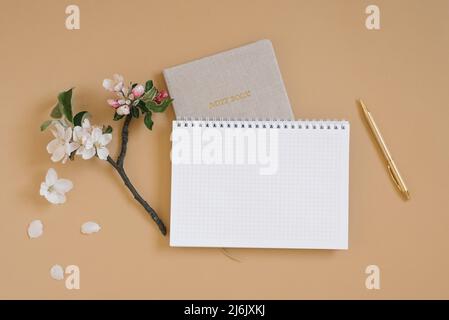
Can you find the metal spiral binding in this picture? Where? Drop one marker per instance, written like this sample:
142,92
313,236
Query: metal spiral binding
306,124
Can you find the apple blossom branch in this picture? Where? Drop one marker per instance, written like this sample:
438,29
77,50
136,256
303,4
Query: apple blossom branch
75,136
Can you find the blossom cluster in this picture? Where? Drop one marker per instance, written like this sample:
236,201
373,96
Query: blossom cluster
85,140
129,96
136,99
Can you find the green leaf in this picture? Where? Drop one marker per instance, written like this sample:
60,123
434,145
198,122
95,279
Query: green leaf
143,107
133,85
107,129
65,104
46,124
149,85
117,116
79,118
135,112
153,106
149,95
148,121
56,112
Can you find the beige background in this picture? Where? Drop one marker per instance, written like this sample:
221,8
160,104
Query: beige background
328,59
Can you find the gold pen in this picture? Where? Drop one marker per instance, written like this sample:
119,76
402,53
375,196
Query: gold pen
392,168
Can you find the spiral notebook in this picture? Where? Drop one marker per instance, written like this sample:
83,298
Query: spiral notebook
260,184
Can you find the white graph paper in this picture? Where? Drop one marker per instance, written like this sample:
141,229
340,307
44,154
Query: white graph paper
303,204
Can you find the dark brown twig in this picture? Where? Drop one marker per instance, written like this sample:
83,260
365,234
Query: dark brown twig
124,145
118,166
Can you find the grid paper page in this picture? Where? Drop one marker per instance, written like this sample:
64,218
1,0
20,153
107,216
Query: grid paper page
301,203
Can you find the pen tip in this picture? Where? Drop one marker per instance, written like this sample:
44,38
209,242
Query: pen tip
407,195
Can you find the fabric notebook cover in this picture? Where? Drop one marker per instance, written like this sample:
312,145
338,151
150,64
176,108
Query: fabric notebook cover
301,203
242,83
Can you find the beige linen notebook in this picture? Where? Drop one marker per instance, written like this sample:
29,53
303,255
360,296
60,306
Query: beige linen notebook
260,184
242,83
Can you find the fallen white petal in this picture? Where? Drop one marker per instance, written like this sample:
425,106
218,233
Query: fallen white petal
57,272
35,229
90,227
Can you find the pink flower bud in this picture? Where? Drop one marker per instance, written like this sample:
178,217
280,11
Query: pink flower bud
113,103
161,96
138,91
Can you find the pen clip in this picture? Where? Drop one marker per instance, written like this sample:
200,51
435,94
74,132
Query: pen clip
395,179
393,176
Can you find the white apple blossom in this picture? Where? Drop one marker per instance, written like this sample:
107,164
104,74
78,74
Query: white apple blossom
61,147
99,141
82,136
54,189
115,84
